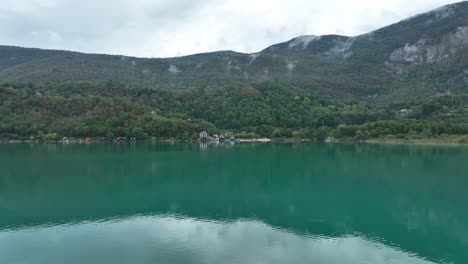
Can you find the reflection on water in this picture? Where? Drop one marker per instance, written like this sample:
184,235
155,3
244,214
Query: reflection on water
161,239
241,203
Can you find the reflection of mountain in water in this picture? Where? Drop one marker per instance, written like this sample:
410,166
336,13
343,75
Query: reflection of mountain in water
161,239
409,196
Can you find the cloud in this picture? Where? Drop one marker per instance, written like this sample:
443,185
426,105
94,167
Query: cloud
159,28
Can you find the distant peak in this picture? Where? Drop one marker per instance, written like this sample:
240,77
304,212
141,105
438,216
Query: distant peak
302,41
444,11
441,13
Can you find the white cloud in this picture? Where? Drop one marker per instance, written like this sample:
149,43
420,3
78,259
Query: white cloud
159,28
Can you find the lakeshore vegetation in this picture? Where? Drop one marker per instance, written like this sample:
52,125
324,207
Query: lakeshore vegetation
50,111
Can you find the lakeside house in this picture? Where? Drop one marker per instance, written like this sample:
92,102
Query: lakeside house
204,137
203,134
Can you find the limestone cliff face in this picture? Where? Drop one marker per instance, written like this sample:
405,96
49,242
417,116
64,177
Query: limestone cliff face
428,50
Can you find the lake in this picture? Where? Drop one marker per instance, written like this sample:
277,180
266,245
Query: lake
241,203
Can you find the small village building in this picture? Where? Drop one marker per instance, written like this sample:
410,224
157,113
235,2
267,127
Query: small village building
203,134
204,137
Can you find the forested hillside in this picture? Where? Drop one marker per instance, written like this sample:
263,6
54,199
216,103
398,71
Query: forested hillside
407,79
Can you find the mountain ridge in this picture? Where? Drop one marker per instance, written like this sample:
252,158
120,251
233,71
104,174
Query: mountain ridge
446,10
310,62
406,80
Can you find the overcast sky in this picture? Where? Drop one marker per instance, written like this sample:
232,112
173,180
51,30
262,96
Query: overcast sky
163,28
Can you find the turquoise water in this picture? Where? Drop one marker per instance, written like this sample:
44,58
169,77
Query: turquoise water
242,203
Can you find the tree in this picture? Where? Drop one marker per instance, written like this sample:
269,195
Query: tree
138,133
321,133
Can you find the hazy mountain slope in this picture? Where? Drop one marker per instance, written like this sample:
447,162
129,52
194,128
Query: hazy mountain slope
423,51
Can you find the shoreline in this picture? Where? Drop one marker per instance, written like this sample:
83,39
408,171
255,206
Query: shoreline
455,141
445,141
428,142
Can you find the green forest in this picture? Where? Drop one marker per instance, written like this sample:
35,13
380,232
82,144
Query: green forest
50,111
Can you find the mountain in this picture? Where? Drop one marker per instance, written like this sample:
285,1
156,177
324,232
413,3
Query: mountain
364,65
419,65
